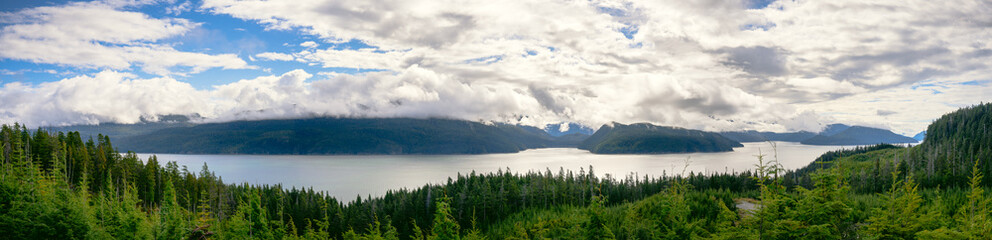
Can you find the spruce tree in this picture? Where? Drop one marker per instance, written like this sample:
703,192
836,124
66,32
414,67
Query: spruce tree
445,227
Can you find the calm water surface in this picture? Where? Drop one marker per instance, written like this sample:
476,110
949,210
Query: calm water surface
346,177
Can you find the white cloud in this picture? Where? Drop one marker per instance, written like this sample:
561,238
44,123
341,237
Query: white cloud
824,85
179,9
365,58
274,56
714,65
98,35
568,59
108,96
909,110
111,96
309,44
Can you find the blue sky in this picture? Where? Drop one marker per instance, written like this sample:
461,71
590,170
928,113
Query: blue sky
217,34
712,65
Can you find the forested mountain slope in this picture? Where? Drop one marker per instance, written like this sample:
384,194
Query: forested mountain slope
118,130
341,136
954,144
618,138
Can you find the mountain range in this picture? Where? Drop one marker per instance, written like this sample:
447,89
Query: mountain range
329,136
834,134
177,134
858,135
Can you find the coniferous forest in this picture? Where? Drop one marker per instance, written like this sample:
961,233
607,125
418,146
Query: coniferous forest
58,185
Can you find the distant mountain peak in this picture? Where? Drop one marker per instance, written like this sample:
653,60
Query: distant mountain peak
920,136
833,129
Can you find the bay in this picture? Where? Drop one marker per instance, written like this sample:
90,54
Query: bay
348,176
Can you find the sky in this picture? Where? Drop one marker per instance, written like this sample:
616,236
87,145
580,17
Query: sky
707,64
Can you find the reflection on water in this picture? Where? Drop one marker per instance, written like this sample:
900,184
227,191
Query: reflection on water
346,177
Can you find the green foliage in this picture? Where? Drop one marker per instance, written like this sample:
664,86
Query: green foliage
973,218
57,186
901,216
667,215
824,210
595,227
36,208
444,227
376,231
117,216
953,142
172,222
771,219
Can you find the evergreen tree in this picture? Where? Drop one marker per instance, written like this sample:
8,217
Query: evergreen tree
204,220
595,227
900,216
445,227
824,210
172,223
973,218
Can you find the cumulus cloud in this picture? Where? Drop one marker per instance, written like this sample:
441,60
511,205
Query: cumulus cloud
309,44
100,35
112,96
715,65
108,96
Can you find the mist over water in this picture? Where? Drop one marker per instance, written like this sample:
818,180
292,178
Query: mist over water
346,177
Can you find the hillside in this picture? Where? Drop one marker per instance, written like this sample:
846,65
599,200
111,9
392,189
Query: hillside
954,143
340,136
646,138
755,136
858,135
833,129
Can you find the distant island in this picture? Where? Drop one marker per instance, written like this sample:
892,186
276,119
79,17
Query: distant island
858,135
328,136
834,134
645,138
